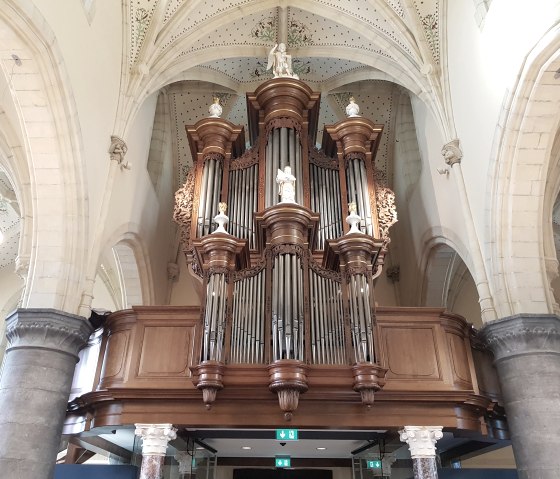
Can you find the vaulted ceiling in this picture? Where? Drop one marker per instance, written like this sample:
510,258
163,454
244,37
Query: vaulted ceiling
374,50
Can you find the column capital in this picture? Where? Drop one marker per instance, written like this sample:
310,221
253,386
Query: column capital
421,440
451,152
155,437
522,334
47,329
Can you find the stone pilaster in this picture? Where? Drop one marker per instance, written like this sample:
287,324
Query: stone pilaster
387,463
34,388
185,464
527,357
421,442
154,446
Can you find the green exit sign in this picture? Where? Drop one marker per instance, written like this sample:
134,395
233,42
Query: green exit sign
286,434
283,461
373,464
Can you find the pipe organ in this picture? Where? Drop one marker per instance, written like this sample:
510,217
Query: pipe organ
287,286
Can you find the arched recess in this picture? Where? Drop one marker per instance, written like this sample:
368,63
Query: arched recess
448,284
45,111
125,268
524,186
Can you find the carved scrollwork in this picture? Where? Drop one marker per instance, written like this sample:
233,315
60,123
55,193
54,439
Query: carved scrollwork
318,158
182,215
355,270
386,210
289,249
354,155
325,273
283,123
218,270
213,156
249,272
247,159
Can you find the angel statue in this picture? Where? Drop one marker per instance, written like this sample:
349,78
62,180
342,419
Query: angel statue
280,62
286,185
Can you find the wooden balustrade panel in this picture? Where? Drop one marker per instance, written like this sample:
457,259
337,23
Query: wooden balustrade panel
425,349
145,376
151,348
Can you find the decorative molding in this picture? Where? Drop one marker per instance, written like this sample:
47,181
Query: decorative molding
249,158
394,273
421,440
386,210
47,329
155,438
173,271
117,152
319,158
521,335
451,152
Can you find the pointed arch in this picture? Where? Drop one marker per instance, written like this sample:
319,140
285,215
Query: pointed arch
51,149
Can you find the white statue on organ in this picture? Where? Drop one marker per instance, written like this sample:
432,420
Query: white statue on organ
286,185
280,62
353,109
215,109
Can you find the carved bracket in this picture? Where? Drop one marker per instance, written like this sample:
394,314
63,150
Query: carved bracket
208,377
368,379
288,378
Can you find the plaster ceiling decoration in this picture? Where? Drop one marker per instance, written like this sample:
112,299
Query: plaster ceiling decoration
9,222
201,12
141,12
428,12
397,7
363,10
171,8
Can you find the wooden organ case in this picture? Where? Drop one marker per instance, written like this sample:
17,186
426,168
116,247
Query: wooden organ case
288,302
289,286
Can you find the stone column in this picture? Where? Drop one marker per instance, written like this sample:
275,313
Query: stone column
527,357
154,445
34,388
421,442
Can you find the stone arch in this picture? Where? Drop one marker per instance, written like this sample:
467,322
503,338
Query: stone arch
46,112
448,283
133,266
524,186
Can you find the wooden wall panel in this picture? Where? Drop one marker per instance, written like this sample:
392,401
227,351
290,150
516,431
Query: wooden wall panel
411,353
166,351
459,360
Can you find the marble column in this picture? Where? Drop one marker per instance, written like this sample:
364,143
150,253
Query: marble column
421,442
527,357
154,446
34,388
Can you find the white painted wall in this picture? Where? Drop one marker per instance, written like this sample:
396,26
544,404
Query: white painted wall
92,60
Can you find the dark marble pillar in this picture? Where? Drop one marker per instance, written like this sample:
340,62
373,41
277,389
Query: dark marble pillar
527,357
425,468
154,447
152,467
34,388
421,442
